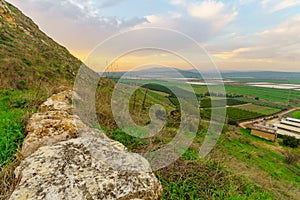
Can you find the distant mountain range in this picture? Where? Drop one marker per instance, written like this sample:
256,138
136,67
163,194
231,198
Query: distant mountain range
232,75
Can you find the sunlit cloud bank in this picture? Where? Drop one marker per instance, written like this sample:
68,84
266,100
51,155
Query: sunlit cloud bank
239,34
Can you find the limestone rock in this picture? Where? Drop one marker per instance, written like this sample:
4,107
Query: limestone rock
65,159
91,166
49,128
53,123
58,102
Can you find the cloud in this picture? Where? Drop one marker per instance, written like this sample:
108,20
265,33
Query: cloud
178,2
286,33
285,4
110,3
281,43
278,5
206,9
202,21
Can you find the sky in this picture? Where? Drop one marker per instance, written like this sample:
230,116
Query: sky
239,35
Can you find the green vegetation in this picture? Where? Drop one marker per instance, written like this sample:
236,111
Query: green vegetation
207,102
290,141
260,109
235,115
271,94
264,103
11,126
132,143
296,114
255,152
206,180
15,108
29,58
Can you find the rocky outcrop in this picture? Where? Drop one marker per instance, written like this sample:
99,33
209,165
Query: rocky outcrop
65,159
6,14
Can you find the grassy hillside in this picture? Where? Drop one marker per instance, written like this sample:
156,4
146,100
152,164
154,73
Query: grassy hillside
28,57
32,67
240,167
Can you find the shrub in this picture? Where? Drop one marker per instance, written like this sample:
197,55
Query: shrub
290,141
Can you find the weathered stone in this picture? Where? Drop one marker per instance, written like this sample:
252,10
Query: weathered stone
53,123
49,128
65,159
58,102
88,167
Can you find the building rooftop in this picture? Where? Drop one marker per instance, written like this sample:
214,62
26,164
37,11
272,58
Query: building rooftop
293,120
284,132
288,128
291,123
265,128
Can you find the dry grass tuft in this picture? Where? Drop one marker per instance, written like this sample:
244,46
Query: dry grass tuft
8,179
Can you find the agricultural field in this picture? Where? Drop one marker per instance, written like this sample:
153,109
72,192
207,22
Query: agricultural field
235,115
260,109
264,103
219,102
270,94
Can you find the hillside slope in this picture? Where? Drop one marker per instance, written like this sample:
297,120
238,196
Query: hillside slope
32,67
28,57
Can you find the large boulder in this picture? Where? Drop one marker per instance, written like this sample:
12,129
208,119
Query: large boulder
67,161
89,167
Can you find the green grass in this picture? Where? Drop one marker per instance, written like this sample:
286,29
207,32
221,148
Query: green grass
206,180
260,109
296,114
11,126
129,141
247,149
14,106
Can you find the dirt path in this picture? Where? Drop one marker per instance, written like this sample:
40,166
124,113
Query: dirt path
244,124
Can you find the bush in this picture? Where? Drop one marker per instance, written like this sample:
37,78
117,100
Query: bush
290,141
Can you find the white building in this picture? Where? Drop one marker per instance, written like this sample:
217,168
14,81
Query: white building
289,126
